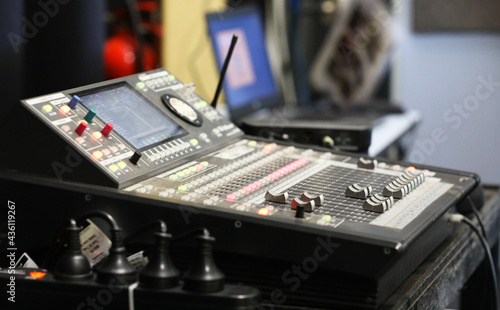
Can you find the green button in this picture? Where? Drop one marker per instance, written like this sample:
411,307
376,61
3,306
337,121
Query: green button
173,177
327,218
113,168
194,142
200,104
252,143
204,163
180,174
182,188
141,85
193,169
171,77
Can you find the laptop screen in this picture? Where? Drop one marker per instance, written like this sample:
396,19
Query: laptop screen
249,83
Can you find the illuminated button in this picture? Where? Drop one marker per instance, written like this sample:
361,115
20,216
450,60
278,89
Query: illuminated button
113,168
37,274
180,174
107,129
411,169
65,109
252,143
113,149
65,128
194,142
173,177
193,169
106,152
182,188
199,166
231,197
74,102
83,121
268,148
81,128
327,218
140,85
263,212
204,163
171,77
47,108
97,155
97,135
80,140
122,165
186,171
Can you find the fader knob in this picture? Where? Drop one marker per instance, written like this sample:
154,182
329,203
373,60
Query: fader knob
135,158
74,102
81,128
107,129
367,163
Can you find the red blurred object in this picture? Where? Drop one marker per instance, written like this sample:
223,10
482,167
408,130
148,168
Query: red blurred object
120,55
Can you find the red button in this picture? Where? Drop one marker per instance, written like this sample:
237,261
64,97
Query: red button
81,128
107,129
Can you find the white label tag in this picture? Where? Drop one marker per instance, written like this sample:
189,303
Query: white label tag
138,260
95,243
26,262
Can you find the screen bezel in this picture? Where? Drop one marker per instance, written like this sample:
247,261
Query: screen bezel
88,92
266,102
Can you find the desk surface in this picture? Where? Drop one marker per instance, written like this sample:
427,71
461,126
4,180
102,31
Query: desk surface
439,279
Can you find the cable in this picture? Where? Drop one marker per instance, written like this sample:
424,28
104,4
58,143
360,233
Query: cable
478,216
458,218
197,231
135,23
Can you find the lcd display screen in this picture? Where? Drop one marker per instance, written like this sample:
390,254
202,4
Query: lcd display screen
132,115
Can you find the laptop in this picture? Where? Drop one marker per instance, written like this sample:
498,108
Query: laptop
254,100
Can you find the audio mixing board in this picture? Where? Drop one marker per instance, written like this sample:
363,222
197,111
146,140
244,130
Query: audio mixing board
323,229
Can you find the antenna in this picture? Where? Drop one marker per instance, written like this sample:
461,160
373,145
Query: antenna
224,69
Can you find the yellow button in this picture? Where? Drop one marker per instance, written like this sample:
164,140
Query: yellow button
113,168
327,218
122,165
204,163
182,188
97,135
97,155
65,109
252,143
194,142
47,108
193,169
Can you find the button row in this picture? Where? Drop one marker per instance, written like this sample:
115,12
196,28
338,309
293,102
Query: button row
188,171
269,178
169,150
226,174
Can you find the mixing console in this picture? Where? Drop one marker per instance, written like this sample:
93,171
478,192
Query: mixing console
147,147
